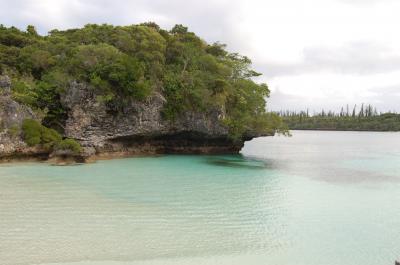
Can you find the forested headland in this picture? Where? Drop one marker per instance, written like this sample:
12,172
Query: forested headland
363,118
151,80
125,62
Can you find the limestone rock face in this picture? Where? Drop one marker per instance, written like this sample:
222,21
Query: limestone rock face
139,127
11,112
5,85
136,128
11,116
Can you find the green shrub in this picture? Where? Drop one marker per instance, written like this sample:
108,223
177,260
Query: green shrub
69,144
36,134
31,132
49,137
23,92
14,130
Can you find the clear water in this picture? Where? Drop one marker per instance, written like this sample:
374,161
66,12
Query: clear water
317,198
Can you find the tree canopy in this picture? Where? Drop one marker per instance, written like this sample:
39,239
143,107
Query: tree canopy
363,118
133,62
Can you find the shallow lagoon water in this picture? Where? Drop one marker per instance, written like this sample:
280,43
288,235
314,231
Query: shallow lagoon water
326,198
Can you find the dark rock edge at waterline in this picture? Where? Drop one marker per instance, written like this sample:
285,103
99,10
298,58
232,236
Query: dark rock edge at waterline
181,143
130,147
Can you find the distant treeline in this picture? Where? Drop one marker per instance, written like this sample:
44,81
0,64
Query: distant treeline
364,118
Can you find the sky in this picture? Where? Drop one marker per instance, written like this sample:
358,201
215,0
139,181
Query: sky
315,54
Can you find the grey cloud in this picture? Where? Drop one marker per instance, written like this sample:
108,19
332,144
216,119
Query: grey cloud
383,98
283,101
354,58
365,2
386,98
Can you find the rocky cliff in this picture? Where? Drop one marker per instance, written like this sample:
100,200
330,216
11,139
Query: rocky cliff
11,116
137,128
140,128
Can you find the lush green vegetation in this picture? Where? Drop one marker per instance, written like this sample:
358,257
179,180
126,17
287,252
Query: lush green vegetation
69,145
365,119
35,134
133,62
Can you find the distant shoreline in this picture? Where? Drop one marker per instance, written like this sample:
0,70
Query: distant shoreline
339,130
367,119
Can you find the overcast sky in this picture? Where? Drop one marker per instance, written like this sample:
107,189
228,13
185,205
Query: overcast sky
312,53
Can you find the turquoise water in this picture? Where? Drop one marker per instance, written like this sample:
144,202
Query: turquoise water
326,198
